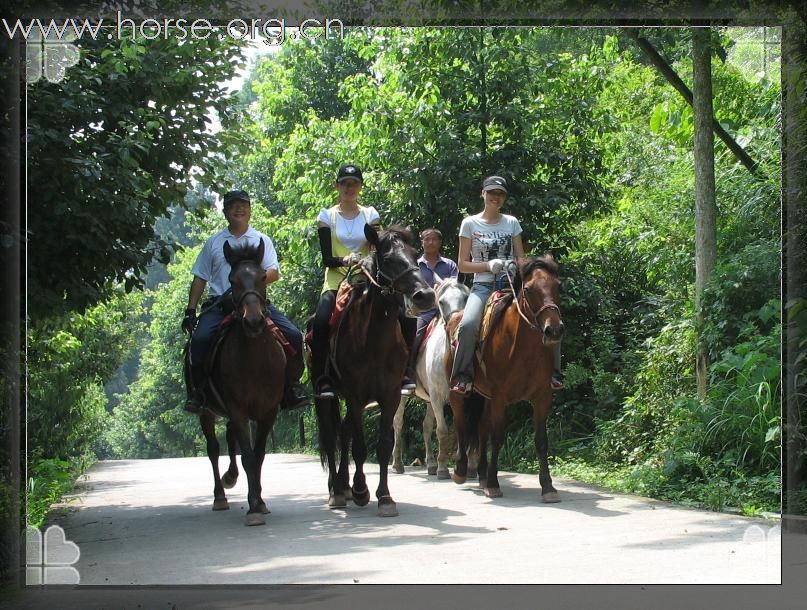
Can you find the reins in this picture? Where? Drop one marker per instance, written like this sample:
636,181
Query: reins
534,324
389,289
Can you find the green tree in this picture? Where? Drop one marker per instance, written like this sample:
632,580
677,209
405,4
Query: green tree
111,148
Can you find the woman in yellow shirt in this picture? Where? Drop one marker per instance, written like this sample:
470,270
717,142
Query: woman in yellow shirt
342,243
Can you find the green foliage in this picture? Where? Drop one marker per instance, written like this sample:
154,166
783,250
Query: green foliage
149,420
69,360
110,148
49,479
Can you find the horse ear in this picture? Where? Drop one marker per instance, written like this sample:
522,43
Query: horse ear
228,251
437,279
371,234
259,253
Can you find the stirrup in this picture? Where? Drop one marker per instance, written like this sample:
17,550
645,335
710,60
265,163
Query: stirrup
463,387
193,405
324,389
408,386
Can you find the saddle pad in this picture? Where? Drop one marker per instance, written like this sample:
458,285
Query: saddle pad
270,324
427,334
342,299
488,317
287,347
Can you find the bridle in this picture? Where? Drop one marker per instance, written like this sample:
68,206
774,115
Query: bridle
388,287
522,295
439,291
238,310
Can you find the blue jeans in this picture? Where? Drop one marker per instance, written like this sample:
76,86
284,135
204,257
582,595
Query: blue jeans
468,331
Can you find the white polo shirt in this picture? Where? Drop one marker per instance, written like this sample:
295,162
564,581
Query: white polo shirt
212,267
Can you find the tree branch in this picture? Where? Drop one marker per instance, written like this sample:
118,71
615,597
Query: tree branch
666,70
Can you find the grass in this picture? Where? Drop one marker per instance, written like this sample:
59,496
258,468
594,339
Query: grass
48,482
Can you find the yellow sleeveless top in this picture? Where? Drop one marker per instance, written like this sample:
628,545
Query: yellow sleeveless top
335,275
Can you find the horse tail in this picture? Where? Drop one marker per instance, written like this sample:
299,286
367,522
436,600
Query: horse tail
473,413
329,425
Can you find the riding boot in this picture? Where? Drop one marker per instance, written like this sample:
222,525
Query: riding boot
409,330
294,394
323,387
194,382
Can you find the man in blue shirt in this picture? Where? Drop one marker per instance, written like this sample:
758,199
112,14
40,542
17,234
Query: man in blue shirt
212,270
430,263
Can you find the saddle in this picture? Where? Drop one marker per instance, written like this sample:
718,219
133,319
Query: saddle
347,290
494,308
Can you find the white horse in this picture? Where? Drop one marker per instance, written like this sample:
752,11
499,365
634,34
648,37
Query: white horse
432,377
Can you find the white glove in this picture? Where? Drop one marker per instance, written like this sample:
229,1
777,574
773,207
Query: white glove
495,265
511,267
351,259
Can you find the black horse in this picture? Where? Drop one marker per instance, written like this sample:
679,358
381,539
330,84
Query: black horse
246,377
368,359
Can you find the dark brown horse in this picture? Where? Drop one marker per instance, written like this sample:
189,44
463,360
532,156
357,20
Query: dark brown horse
246,377
368,359
516,365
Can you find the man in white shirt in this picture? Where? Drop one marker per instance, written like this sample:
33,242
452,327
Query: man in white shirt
212,269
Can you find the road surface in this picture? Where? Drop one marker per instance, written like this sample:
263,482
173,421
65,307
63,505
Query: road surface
149,522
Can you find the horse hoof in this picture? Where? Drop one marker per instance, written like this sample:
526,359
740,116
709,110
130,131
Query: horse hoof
221,504
432,470
387,507
443,474
337,501
348,493
255,519
263,508
472,473
551,497
482,483
398,468
457,478
493,492
361,498
228,482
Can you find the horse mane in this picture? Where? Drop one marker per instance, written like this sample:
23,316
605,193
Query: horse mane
404,232
393,231
243,252
546,262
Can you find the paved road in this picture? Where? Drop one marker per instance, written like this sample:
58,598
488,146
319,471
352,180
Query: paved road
149,522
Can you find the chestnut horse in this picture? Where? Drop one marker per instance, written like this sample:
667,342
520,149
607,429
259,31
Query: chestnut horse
245,382
433,368
516,364
368,356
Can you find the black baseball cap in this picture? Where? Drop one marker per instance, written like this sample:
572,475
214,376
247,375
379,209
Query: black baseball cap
492,183
349,171
231,196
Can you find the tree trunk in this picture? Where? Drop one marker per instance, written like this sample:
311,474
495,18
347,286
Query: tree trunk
705,207
667,72
794,189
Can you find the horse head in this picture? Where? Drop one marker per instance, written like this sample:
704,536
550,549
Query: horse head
539,296
396,269
451,296
248,282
